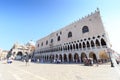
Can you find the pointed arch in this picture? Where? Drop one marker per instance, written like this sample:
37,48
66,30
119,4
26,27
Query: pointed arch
69,34
60,57
61,49
58,39
73,46
65,47
93,56
80,46
83,56
103,43
65,57
92,44
85,29
51,58
47,57
56,56
97,43
84,45
70,47
76,46
88,44
76,57
70,57
103,55
19,55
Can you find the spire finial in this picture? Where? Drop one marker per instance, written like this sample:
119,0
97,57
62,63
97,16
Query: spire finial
97,9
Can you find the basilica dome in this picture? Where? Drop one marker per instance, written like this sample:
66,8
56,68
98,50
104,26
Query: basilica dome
31,43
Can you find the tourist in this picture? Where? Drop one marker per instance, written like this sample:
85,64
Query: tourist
26,60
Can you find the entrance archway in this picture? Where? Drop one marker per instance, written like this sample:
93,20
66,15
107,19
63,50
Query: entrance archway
56,56
47,57
51,58
70,57
83,55
93,56
60,57
76,57
103,55
65,58
19,56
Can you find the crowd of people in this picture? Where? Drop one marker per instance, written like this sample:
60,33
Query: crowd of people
88,62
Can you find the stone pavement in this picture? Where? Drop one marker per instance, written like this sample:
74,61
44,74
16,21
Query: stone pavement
36,71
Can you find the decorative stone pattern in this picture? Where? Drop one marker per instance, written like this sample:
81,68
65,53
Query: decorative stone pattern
85,38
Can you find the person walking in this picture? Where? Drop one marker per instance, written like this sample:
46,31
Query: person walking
27,59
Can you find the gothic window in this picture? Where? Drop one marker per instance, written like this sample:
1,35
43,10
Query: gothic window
85,29
69,34
103,43
88,45
58,38
68,47
51,40
38,45
71,47
84,45
60,32
97,43
92,44
61,48
76,46
42,44
46,42
80,46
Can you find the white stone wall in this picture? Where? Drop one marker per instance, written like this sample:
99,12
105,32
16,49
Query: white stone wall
93,21
96,30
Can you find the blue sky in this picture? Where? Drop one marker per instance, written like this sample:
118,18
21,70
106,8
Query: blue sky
25,20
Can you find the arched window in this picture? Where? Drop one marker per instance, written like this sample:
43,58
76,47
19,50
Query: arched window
97,43
69,34
84,45
85,29
68,47
58,38
80,46
38,45
63,47
88,45
92,44
51,40
76,46
46,42
103,43
42,44
71,47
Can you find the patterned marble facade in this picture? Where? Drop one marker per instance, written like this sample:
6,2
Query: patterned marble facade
19,51
3,54
84,38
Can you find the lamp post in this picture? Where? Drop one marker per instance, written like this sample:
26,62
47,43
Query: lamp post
109,52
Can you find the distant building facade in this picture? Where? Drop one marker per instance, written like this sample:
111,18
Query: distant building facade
3,54
85,38
19,51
